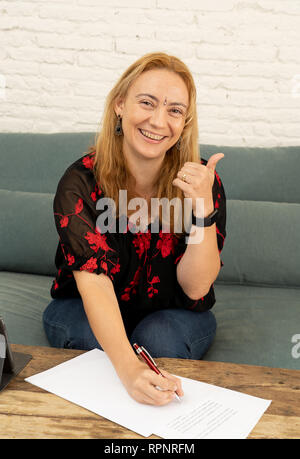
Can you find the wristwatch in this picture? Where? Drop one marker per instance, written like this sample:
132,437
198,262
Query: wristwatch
207,221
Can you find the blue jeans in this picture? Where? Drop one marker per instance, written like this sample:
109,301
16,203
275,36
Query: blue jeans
175,333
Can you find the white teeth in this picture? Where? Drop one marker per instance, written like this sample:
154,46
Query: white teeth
152,136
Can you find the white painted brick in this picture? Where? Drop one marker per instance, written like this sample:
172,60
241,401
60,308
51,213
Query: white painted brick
75,13
275,69
19,9
72,72
213,125
237,53
55,56
203,5
31,97
119,3
68,41
108,60
247,83
13,38
10,66
279,6
290,54
266,35
23,82
16,124
285,131
169,18
60,59
117,29
93,89
140,47
3,54
195,35
247,17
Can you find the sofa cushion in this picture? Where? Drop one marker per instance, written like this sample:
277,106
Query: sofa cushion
262,243
256,326
23,299
28,235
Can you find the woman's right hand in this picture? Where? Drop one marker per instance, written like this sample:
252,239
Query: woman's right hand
141,383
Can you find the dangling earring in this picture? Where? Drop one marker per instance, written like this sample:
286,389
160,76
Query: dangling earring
118,128
178,143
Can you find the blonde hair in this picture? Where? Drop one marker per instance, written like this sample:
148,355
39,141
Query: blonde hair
110,168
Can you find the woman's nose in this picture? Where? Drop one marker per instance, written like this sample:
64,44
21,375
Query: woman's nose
158,118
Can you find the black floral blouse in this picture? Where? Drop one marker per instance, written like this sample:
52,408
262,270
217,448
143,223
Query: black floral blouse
141,265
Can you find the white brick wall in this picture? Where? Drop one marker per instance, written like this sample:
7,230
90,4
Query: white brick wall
59,59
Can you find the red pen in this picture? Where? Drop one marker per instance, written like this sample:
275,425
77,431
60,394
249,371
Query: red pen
150,362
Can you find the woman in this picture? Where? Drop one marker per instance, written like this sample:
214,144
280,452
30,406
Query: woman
155,288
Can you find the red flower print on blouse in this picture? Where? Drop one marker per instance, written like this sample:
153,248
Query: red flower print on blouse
142,242
97,240
90,265
79,206
88,162
155,279
166,244
64,222
178,258
133,284
71,259
217,202
115,269
97,192
218,178
103,265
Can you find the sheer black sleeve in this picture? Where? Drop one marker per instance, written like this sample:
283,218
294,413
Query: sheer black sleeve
83,246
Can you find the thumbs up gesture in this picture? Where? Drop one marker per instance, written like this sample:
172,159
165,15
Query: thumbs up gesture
196,180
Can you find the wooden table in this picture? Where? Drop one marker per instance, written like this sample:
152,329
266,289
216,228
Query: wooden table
27,411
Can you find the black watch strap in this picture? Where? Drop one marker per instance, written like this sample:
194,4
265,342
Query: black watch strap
207,221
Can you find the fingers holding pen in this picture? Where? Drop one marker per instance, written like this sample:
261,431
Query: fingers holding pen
161,386
142,384
157,388
176,380
161,389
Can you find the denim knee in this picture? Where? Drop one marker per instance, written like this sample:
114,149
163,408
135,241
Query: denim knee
176,333
66,325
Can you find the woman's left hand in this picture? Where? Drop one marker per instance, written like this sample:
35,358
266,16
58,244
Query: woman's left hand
199,180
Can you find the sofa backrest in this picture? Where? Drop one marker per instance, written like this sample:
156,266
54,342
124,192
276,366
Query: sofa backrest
31,166
263,214
262,246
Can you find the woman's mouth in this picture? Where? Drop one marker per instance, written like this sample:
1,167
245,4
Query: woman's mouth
152,138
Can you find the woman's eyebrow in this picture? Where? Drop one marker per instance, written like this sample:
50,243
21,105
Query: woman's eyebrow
156,99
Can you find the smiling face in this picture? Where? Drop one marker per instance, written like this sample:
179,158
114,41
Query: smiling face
153,113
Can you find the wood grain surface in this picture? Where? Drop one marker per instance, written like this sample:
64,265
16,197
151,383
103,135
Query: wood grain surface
27,411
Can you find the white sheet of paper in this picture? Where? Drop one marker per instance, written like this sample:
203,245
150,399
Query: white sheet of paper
90,381
210,411
207,411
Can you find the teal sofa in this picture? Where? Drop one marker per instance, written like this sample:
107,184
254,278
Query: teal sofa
258,288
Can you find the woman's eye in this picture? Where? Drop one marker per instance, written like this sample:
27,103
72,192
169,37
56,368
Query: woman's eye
146,102
176,111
